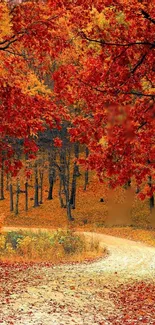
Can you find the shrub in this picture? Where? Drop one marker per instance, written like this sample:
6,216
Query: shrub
2,242
46,246
13,237
70,242
9,250
26,246
35,246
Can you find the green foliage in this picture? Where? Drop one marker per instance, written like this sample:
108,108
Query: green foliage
13,237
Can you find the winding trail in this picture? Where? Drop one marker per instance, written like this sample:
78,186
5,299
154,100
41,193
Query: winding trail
81,294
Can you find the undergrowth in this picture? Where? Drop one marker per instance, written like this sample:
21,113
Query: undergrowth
54,247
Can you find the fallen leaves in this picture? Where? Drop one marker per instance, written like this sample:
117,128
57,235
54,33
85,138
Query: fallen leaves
136,303
41,294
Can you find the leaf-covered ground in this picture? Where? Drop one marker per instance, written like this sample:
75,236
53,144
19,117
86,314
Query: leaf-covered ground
119,289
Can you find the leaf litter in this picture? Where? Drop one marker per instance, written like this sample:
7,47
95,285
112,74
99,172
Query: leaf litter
100,293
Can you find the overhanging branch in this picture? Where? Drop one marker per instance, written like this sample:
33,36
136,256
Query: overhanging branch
103,42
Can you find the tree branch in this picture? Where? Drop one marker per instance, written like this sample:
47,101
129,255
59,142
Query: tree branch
3,48
140,126
102,42
147,16
139,62
116,92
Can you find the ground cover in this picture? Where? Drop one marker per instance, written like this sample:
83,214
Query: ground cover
115,290
44,246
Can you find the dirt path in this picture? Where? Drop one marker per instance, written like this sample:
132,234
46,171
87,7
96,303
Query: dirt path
75,294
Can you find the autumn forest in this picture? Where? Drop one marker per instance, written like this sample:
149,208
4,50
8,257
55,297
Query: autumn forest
77,162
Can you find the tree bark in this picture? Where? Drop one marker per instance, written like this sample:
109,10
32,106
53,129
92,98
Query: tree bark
26,196
17,197
86,176
41,186
2,181
7,182
36,186
62,204
52,174
11,197
65,177
76,153
151,199
51,185
73,188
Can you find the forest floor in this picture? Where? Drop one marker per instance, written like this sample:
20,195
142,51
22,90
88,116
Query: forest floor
118,289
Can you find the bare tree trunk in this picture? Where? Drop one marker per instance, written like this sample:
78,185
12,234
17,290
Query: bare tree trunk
51,183
151,202
11,197
69,215
76,174
26,196
65,178
52,175
73,188
60,194
68,204
17,197
151,199
2,181
76,153
67,185
86,176
36,186
41,186
7,182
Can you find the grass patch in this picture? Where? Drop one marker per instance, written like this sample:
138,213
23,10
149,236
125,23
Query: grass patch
136,234
45,246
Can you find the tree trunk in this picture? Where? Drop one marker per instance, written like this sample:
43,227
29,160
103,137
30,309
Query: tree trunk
26,196
65,178
7,182
36,186
2,181
41,186
73,189
11,197
68,205
76,153
52,174
86,176
151,199
62,204
17,197
51,185
76,174
69,215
